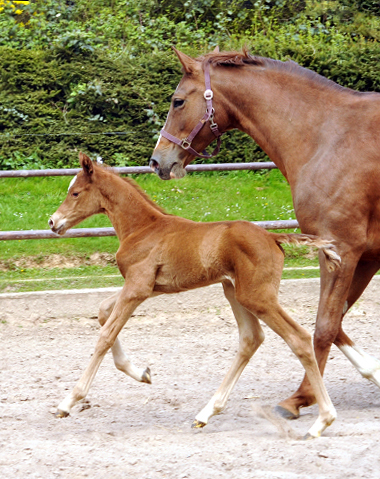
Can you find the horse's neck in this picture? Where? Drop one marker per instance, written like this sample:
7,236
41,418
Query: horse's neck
126,208
284,114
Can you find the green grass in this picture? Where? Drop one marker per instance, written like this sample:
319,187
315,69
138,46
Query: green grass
27,203
41,279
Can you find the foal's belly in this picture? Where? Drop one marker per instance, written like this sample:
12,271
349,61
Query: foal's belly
184,279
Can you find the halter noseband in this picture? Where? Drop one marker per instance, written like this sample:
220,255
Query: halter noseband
208,116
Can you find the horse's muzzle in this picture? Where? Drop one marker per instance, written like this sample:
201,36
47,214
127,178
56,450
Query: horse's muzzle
168,170
163,173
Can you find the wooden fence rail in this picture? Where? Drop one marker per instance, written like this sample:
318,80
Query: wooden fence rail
129,170
91,232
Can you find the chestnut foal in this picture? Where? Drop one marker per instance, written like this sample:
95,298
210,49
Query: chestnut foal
160,253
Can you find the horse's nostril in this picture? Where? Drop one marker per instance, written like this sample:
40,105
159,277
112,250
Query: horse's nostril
51,223
154,165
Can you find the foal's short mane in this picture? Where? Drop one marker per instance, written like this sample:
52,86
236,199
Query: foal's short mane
238,59
135,186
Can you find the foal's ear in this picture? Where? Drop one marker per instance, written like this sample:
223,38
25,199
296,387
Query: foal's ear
216,49
86,163
190,65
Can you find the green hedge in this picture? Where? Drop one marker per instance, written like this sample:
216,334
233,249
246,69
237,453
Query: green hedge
45,94
58,74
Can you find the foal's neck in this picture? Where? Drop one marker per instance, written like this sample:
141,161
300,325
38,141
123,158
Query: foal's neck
128,208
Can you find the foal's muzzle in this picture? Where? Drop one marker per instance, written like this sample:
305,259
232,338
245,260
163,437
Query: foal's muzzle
57,225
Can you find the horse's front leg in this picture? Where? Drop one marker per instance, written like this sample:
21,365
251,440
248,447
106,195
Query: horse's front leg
121,360
334,291
367,365
126,303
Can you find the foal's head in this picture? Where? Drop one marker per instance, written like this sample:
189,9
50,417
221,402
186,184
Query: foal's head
83,198
188,106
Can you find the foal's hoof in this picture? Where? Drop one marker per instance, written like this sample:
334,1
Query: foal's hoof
281,411
198,424
146,377
308,437
61,413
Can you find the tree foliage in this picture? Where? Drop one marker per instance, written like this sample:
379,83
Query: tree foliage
69,69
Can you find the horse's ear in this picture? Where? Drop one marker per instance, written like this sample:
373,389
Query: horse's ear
216,49
190,65
86,163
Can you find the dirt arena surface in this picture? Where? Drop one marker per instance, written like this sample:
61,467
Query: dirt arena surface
134,430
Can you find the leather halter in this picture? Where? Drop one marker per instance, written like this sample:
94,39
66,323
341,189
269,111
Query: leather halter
208,116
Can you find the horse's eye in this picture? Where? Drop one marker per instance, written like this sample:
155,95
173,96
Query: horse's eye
178,102
75,195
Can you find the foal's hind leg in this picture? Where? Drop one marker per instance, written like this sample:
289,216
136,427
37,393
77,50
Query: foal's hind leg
266,307
367,365
334,291
250,337
121,360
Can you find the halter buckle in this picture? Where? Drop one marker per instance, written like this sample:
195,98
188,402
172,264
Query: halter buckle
208,94
213,125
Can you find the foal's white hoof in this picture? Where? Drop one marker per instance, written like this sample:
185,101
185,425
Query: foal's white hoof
198,424
146,377
61,413
308,437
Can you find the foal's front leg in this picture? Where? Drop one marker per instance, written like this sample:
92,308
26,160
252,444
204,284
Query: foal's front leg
121,360
125,304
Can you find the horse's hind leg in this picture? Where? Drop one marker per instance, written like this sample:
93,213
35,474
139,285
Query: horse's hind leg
121,360
367,365
266,307
251,336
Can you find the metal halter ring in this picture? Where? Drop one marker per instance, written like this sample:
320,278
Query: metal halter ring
185,144
208,94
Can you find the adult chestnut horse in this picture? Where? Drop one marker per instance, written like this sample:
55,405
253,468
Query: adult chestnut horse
324,138
160,253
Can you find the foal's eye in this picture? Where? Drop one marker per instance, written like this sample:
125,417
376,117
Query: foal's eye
75,195
178,102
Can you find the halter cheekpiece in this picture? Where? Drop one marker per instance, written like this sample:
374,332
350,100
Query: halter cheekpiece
185,143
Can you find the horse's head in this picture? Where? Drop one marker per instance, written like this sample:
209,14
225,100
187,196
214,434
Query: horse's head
173,151
83,199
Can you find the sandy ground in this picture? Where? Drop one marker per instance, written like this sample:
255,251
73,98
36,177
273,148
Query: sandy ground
133,430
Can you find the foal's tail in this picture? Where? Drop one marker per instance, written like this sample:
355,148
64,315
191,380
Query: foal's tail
333,260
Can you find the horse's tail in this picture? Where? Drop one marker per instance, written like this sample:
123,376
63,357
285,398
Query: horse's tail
333,260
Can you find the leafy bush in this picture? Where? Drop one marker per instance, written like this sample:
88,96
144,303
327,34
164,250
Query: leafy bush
72,72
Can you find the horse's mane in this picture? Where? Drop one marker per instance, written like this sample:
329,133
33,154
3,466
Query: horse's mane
135,186
239,59
144,195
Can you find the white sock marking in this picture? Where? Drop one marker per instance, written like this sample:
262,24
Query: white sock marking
367,365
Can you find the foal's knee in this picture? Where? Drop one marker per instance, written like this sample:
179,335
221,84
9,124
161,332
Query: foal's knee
105,311
105,342
249,344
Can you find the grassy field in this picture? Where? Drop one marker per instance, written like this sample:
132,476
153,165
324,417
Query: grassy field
27,203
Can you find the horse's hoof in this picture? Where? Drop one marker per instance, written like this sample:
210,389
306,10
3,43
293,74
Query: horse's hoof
146,378
198,424
308,437
281,411
61,413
